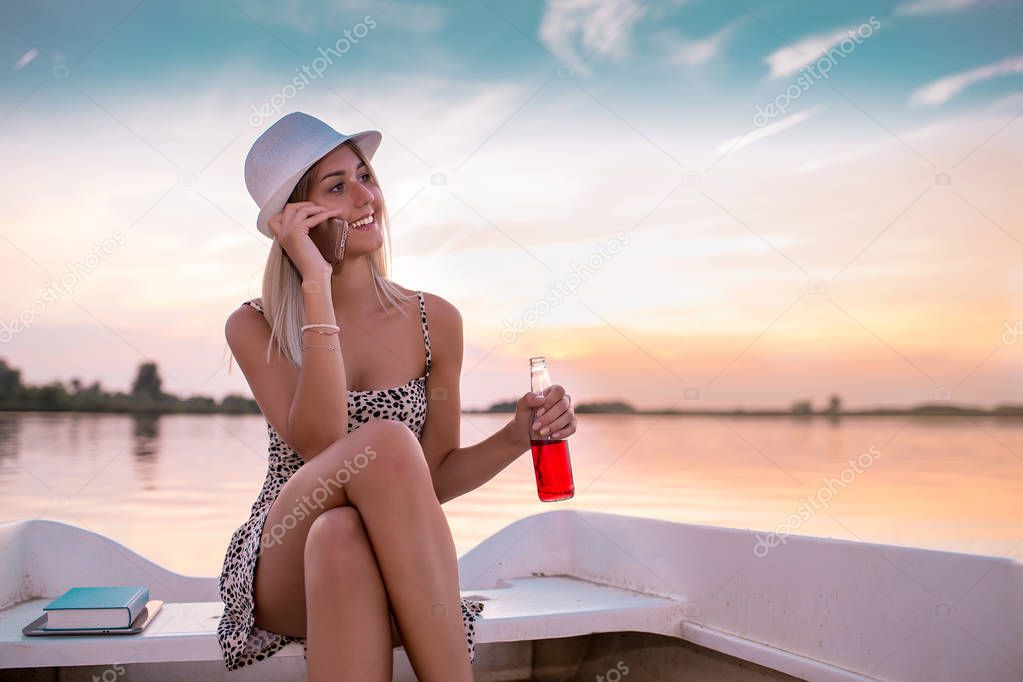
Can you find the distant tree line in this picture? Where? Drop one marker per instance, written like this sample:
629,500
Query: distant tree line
147,395
799,408
806,407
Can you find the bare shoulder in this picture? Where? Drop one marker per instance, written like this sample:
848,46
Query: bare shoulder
243,322
442,313
445,323
439,311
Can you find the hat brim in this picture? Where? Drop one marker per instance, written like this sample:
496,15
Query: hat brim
368,141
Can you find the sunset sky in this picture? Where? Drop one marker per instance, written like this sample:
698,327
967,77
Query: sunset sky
771,209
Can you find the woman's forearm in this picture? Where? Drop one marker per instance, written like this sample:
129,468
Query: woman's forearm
468,468
319,410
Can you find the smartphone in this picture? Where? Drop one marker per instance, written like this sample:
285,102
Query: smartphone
330,237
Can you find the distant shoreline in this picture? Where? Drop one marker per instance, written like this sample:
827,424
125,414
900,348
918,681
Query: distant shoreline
246,408
1009,411
801,409
147,397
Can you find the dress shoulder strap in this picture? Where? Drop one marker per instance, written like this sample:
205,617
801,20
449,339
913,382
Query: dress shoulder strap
255,304
426,328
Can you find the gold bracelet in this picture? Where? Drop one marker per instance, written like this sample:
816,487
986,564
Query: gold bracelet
323,347
323,331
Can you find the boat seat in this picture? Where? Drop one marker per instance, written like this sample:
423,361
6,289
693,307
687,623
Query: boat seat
520,609
818,609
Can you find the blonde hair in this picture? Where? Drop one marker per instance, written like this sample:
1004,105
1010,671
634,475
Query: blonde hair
283,304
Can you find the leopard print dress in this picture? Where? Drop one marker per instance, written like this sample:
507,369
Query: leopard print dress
244,643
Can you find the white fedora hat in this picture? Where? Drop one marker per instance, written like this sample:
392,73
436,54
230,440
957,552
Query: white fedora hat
284,152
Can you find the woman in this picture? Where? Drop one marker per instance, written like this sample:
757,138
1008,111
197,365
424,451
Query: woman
347,549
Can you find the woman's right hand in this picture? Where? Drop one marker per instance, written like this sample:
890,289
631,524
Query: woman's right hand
291,228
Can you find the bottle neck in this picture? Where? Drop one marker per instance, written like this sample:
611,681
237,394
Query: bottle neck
540,380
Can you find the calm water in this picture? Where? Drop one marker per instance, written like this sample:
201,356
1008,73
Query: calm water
174,488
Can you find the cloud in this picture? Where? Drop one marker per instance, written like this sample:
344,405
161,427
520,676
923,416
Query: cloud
944,89
860,151
789,60
746,140
1011,102
696,52
950,137
25,59
934,6
604,24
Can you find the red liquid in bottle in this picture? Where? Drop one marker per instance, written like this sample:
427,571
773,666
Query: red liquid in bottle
551,463
553,470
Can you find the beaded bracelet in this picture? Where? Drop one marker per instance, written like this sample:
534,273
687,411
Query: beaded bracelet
323,347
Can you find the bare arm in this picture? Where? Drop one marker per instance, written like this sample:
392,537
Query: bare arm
466,469
308,405
319,410
456,470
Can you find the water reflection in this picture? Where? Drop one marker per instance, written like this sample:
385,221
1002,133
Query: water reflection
146,447
10,425
174,487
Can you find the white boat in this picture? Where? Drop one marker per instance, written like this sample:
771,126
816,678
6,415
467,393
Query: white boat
578,595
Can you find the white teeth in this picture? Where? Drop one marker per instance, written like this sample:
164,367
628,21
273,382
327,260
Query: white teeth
362,222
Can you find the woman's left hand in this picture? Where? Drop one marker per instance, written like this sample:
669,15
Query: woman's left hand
554,418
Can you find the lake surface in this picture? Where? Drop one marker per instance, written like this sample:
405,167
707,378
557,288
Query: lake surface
174,488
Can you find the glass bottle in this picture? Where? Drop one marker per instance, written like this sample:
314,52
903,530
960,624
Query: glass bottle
551,463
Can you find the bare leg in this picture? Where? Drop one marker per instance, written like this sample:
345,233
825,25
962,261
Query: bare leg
393,492
347,612
416,555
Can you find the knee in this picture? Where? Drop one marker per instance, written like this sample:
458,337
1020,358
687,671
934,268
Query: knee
336,543
394,452
390,432
383,456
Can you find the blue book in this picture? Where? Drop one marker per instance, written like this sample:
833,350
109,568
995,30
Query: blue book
87,608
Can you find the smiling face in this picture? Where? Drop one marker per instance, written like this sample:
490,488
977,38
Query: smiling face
341,180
